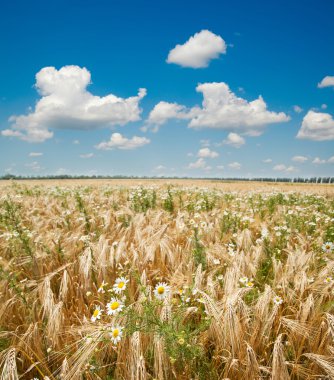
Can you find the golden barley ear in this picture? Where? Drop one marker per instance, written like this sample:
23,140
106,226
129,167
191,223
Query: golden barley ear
8,364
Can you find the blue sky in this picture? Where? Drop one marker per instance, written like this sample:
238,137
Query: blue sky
67,121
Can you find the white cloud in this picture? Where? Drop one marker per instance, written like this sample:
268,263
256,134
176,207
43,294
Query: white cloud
283,168
323,106
317,126
76,142
159,168
220,167
11,133
87,155
117,141
35,166
234,165
267,161
66,104
199,164
35,154
234,140
297,109
221,109
319,161
328,81
198,51
300,159
163,111
207,153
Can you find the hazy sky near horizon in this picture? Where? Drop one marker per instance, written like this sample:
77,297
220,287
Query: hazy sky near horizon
174,88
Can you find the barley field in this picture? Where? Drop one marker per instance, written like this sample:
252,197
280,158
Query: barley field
155,280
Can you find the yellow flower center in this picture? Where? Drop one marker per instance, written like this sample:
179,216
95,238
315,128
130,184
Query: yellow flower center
120,285
115,333
96,313
114,305
328,246
161,290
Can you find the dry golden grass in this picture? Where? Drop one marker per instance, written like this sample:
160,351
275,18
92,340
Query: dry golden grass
211,184
226,250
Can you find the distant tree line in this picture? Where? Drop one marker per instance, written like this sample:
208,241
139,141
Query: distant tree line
259,179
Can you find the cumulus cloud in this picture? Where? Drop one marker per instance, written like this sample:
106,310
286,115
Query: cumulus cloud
319,161
199,164
297,109
267,161
198,51
283,168
117,141
87,155
162,112
317,126
221,109
66,104
234,140
35,154
328,81
207,153
300,159
234,165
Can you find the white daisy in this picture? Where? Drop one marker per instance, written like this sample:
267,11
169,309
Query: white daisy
243,280
116,334
114,306
328,247
277,300
120,285
96,314
101,288
161,290
249,283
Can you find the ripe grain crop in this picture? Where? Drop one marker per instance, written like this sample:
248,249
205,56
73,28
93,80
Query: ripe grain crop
166,281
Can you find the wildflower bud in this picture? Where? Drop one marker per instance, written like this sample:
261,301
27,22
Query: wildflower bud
49,350
88,294
181,341
172,360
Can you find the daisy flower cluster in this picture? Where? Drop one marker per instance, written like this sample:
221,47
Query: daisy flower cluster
113,307
246,282
117,303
